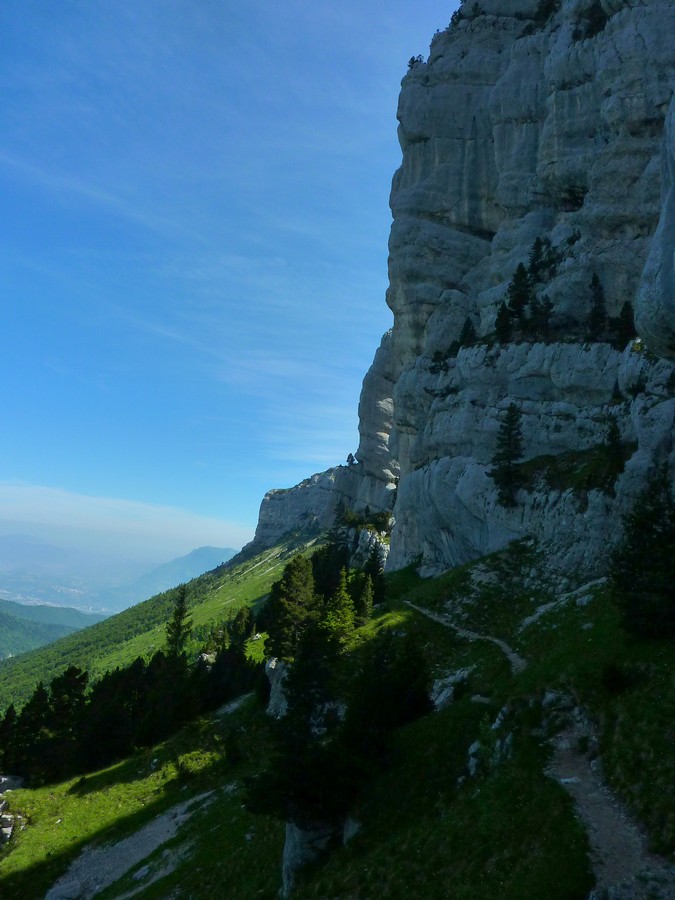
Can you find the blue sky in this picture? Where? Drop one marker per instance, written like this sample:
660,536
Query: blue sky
193,255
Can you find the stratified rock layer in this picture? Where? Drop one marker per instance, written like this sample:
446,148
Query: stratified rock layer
529,120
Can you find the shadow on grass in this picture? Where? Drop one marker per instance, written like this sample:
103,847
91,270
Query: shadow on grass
35,880
190,763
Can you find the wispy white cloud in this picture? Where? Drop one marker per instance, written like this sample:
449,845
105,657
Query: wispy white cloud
110,526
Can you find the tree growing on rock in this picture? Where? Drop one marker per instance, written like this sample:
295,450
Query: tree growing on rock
623,326
519,293
503,324
597,319
613,447
509,451
468,336
538,323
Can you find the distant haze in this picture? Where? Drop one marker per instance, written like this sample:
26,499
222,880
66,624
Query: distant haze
38,573
106,532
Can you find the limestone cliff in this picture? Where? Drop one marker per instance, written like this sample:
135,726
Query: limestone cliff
530,119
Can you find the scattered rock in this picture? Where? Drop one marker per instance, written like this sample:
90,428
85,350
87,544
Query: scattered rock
302,846
276,671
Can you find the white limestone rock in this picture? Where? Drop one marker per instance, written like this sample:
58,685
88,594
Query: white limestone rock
655,312
302,846
513,129
277,672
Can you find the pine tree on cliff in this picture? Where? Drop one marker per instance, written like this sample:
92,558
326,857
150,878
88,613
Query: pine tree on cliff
536,259
613,448
598,315
519,292
468,336
626,324
503,324
509,451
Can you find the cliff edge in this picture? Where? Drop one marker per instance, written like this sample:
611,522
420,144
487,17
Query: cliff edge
541,133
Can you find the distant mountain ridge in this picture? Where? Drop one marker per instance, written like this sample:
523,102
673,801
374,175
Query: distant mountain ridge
35,572
50,615
168,575
24,627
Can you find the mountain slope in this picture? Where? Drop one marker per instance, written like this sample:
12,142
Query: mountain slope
21,635
140,630
176,571
465,804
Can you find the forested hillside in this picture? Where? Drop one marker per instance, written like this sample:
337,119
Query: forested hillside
139,631
19,635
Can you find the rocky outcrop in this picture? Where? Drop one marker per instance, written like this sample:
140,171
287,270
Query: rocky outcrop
530,119
656,298
277,672
8,820
311,506
302,846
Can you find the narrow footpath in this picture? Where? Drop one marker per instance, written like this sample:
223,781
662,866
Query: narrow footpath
624,868
517,662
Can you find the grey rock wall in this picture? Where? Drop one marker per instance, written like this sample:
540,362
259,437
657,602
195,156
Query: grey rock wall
515,128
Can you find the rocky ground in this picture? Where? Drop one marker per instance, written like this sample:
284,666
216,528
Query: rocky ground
622,864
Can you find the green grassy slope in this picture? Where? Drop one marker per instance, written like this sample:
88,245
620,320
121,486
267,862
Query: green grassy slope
140,630
427,830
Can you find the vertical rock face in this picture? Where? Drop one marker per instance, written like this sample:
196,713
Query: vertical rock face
656,297
530,119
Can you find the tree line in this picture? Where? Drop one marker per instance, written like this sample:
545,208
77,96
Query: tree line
72,726
343,701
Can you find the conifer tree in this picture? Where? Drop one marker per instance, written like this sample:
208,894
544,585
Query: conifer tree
613,447
240,629
375,568
536,259
509,451
468,336
32,735
292,606
598,315
66,715
519,293
179,626
625,325
338,617
363,601
7,739
541,313
642,572
503,324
